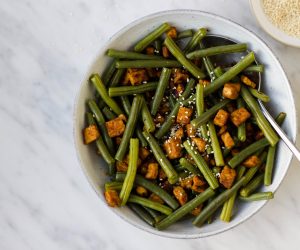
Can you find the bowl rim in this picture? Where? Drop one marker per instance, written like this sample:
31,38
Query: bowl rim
86,75
270,28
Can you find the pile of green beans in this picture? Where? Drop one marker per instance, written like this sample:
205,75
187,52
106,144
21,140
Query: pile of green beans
155,121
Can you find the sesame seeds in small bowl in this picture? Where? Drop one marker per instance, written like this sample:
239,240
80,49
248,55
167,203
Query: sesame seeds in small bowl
280,19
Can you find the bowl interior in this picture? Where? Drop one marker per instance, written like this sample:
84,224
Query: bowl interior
275,84
270,28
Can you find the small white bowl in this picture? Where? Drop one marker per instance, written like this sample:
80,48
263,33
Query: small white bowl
269,27
276,85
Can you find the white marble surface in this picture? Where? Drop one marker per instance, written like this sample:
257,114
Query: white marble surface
45,200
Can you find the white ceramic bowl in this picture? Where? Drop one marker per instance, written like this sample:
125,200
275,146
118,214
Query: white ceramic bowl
269,27
276,85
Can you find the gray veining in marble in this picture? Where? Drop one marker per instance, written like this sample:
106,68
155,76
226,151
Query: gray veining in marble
45,200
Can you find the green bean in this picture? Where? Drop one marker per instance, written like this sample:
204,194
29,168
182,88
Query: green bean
255,68
130,55
215,144
157,63
232,48
102,147
185,209
96,80
151,204
189,166
228,205
197,37
208,64
258,196
131,171
252,68
252,148
210,219
132,90
147,118
108,73
269,165
218,71
96,111
280,118
202,165
242,128
116,79
181,102
252,171
152,187
240,172
161,158
101,122
262,122
177,53
231,73
185,34
187,90
259,95
154,214
217,202
252,185
142,213
130,127
165,127
109,115
126,104
139,134
160,90
90,119
148,39
172,101
200,107
210,70
157,46
207,115
106,155
113,185
271,155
